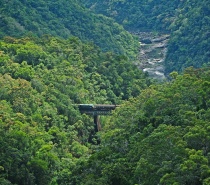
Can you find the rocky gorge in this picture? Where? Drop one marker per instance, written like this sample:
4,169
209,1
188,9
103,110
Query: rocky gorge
152,52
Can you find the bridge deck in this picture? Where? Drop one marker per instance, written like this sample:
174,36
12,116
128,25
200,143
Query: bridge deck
98,109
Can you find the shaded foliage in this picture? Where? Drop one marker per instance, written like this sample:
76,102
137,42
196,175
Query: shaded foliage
65,19
44,138
160,137
187,22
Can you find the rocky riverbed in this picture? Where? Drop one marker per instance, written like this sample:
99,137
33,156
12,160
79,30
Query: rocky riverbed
153,48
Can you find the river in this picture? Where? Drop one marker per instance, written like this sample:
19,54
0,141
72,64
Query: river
152,52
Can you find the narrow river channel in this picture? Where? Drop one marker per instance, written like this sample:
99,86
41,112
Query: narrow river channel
153,48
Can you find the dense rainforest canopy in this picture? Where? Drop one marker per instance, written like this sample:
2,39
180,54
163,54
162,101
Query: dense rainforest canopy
159,137
64,18
188,22
43,135
55,55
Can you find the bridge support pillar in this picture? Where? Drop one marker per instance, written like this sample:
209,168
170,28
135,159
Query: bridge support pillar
97,124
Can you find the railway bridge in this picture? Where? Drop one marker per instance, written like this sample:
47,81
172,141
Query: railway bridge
96,111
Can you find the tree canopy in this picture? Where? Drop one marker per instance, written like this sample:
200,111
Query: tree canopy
187,22
159,137
44,138
55,55
64,19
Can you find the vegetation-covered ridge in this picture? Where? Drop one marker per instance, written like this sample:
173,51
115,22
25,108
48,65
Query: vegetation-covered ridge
43,136
138,15
186,21
64,19
53,56
190,37
161,137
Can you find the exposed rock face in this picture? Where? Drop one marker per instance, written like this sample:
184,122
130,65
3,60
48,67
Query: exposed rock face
153,48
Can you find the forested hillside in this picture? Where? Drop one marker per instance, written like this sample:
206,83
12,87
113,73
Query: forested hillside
145,15
43,135
187,22
64,18
190,37
160,137
55,55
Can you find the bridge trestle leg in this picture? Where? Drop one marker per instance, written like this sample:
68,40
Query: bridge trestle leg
97,124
